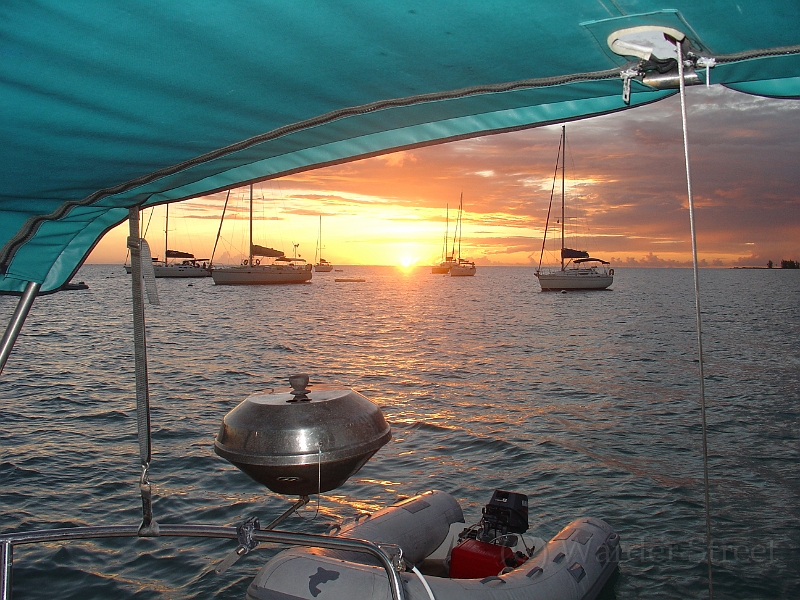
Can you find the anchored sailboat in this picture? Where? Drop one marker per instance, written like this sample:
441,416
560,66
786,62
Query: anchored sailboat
462,267
578,271
323,266
281,269
189,266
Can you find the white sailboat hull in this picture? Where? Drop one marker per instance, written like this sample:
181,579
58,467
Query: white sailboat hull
443,268
462,270
323,268
261,275
575,279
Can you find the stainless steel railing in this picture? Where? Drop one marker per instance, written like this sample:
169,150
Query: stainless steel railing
7,543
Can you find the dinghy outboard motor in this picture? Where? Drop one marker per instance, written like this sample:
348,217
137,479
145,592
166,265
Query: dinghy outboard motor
305,441
506,513
486,548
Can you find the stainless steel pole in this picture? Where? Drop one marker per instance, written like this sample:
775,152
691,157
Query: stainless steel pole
149,525
17,320
7,550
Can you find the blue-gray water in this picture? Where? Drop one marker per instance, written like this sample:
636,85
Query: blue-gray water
587,402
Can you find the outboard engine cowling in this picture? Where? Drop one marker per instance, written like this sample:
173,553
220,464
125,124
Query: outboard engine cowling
507,512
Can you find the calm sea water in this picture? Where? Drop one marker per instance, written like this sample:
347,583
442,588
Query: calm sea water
587,402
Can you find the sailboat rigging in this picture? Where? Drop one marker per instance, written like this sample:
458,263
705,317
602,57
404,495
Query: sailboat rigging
461,267
280,269
323,266
578,271
443,268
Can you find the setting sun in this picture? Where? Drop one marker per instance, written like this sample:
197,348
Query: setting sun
408,261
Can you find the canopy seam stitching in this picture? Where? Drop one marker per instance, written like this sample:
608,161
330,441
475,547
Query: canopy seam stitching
29,229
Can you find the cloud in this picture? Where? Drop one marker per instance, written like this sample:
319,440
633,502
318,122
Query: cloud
397,159
651,260
626,179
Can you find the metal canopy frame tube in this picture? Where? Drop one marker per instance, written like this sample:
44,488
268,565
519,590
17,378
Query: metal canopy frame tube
7,557
17,320
149,525
203,531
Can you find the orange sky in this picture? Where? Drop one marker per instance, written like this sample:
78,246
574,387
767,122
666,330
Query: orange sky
625,180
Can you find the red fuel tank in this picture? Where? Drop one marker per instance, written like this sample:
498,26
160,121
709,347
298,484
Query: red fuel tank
472,559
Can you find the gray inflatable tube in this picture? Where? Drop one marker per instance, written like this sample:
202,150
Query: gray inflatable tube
574,565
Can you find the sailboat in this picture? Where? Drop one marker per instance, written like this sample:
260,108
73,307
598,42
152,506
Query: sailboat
578,271
280,269
189,266
461,267
443,268
323,266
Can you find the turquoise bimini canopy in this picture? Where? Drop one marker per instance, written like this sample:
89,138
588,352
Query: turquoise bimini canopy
110,104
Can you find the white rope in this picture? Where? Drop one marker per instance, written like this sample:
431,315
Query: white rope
699,323
424,583
319,488
319,477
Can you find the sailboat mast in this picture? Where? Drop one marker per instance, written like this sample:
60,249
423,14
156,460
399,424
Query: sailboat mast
219,231
459,226
455,234
166,235
446,233
563,169
251,226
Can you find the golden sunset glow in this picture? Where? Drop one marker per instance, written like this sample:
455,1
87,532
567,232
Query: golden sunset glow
408,261
625,180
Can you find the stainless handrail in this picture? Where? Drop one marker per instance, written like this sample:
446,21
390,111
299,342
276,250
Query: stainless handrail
8,541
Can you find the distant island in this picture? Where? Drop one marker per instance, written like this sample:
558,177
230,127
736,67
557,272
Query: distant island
785,264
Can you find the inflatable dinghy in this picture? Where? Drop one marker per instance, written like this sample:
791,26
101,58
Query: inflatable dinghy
448,561
313,438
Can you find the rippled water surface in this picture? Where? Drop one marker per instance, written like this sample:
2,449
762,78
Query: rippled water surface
587,402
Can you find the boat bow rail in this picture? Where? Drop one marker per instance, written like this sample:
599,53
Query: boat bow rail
8,542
